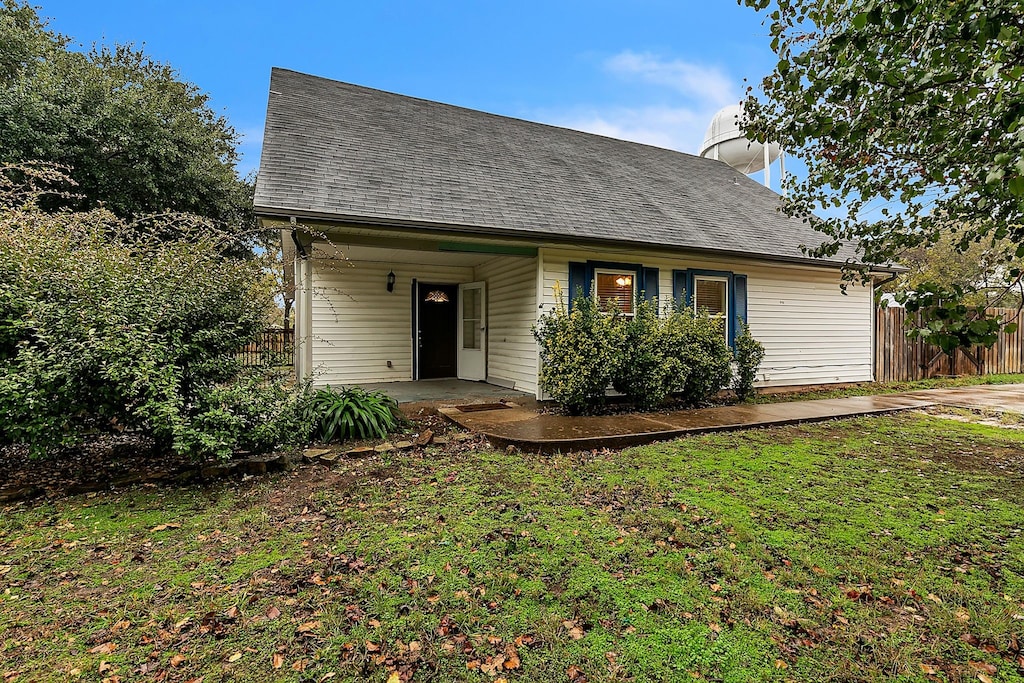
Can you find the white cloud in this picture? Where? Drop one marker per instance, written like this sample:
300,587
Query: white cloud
699,82
695,92
676,128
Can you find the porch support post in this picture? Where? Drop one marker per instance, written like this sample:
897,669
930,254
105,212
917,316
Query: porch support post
303,307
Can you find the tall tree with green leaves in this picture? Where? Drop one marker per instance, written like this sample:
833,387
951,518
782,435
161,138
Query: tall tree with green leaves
908,116
137,139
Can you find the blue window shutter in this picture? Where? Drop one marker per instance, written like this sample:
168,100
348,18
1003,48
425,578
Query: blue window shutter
578,282
680,295
650,283
739,306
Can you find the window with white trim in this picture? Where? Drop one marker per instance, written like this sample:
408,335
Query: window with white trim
615,288
712,294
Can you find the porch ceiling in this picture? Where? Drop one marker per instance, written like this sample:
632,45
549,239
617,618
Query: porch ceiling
358,252
373,254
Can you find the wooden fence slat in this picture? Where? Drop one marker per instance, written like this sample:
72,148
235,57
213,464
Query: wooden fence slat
899,359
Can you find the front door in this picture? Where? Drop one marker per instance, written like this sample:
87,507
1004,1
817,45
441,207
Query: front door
473,331
437,317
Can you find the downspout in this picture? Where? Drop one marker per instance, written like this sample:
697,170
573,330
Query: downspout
299,246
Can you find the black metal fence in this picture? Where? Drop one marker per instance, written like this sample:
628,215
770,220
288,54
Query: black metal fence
274,347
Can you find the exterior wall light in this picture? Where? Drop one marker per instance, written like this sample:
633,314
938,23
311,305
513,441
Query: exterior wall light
391,281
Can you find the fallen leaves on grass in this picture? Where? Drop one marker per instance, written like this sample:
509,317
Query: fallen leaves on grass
576,674
574,629
306,628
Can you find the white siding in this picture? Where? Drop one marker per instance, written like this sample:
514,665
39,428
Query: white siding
511,313
358,326
812,333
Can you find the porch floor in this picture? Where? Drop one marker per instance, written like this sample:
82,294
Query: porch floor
445,390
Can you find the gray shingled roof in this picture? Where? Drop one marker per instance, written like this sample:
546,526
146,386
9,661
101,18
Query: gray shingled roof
342,151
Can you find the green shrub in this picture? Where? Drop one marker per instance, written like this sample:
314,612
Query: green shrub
351,413
580,352
749,354
255,412
646,357
102,330
648,370
697,341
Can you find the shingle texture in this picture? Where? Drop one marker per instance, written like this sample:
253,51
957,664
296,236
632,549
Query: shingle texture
351,152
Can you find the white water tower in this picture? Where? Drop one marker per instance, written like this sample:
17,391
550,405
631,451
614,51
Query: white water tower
726,142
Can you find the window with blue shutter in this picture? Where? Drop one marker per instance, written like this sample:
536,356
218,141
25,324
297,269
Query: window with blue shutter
649,283
718,291
579,283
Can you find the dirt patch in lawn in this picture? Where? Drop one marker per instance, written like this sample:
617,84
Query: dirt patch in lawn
113,459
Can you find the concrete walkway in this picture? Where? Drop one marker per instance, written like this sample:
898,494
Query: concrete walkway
524,427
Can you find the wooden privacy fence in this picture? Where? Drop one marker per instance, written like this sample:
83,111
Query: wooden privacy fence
899,359
273,347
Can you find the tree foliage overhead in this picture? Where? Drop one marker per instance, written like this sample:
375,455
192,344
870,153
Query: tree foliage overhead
907,114
983,269
105,328
137,139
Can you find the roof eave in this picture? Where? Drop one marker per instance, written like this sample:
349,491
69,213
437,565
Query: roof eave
532,236
490,231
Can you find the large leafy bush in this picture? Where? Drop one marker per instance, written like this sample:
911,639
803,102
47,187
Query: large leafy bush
697,340
645,357
104,330
749,354
650,368
351,413
579,353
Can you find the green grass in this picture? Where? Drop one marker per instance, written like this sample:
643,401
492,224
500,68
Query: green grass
866,549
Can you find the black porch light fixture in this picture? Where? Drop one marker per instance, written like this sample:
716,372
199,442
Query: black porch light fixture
391,281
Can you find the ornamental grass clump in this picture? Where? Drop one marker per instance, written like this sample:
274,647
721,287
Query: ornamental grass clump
351,413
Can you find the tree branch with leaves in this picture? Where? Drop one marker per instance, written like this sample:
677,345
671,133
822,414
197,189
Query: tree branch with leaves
908,117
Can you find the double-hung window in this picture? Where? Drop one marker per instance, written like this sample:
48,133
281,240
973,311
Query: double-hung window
711,294
612,285
722,294
615,289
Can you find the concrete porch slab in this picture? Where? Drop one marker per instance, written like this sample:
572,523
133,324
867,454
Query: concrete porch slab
446,390
526,428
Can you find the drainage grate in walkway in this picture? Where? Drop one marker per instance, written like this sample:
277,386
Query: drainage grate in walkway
479,407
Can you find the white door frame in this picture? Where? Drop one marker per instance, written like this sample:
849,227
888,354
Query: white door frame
472,362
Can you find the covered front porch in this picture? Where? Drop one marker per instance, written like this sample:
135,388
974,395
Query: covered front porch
422,320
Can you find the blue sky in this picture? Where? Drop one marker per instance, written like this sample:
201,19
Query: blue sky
647,70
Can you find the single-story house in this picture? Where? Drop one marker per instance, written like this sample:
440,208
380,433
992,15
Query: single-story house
427,239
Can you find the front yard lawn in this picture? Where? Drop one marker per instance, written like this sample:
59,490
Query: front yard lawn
868,549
